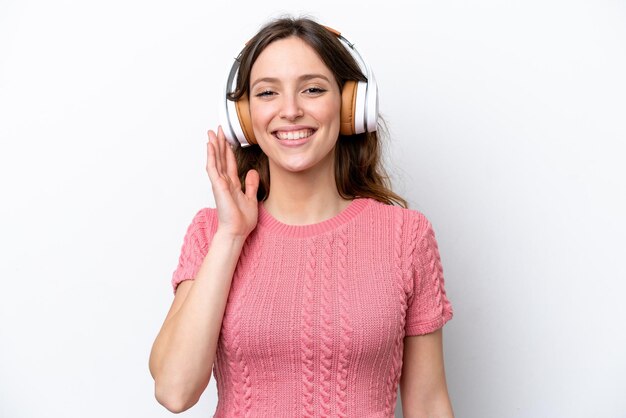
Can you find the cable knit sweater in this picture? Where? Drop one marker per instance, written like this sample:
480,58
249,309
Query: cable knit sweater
316,315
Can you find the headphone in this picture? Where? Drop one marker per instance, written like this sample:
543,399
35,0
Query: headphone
359,103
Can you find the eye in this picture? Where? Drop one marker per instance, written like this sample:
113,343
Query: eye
315,90
265,93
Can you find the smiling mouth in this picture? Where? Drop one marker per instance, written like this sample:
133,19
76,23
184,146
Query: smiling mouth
291,135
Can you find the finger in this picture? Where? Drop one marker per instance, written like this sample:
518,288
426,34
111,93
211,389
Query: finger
252,184
231,165
223,146
210,164
218,151
212,157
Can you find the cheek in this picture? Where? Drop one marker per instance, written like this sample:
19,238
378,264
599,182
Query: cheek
334,110
331,114
261,115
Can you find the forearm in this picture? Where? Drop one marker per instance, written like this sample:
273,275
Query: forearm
184,351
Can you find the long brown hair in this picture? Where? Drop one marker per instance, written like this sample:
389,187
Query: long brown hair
358,167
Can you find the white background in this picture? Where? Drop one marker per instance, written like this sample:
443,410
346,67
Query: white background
507,125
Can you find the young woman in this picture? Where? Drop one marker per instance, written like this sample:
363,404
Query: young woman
311,294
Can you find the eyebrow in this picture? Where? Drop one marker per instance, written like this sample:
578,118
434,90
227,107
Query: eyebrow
304,77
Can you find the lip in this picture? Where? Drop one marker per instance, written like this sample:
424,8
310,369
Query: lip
290,143
290,128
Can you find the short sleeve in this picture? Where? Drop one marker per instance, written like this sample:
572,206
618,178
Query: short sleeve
428,305
195,246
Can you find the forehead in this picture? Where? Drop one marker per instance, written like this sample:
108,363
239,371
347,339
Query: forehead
288,58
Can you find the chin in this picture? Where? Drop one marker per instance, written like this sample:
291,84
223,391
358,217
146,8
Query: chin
296,167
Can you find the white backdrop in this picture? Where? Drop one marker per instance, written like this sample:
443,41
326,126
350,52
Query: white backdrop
507,123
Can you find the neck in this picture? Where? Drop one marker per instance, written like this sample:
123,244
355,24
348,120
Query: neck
304,198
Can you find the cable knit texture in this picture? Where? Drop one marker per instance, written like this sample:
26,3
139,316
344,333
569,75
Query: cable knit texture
317,314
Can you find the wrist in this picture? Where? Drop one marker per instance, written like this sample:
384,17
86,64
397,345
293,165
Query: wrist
225,236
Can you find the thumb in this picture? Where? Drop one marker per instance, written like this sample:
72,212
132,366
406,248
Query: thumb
252,183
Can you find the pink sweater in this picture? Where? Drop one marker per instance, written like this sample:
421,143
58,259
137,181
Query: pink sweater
316,314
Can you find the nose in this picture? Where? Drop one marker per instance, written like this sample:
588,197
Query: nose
290,108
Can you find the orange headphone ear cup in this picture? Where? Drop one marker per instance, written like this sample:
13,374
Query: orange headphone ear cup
348,105
243,114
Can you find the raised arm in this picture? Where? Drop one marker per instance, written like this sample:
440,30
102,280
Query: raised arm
184,350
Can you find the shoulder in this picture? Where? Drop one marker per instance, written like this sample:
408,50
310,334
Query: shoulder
203,226
414,222
205,217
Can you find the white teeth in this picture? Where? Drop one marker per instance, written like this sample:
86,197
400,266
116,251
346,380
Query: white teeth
294,134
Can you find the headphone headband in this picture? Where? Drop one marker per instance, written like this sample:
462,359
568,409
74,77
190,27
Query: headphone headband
359,102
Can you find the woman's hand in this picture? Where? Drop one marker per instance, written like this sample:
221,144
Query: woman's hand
237,211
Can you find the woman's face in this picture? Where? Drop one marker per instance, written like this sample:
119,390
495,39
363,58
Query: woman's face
295,106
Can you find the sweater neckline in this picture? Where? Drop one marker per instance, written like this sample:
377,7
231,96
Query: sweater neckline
266,220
